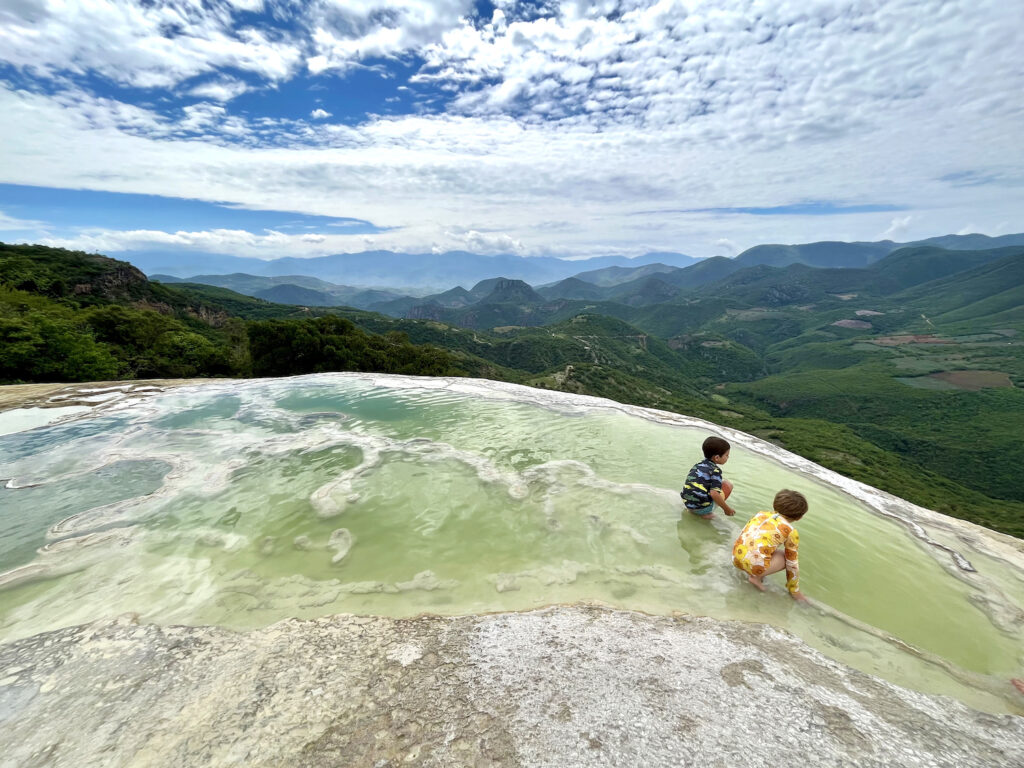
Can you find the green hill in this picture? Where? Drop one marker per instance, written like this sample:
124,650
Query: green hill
572,288
648,290
793,284
704,272
996,286
234,304
973,242
822,254
926,427
72,316
322,293
908,267
484,287
294,294
456,298
81,278
511,292
610,276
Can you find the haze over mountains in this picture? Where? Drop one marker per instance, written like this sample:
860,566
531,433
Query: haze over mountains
386,269
336,280
421,273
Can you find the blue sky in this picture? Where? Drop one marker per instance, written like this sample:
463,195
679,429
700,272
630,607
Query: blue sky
276,127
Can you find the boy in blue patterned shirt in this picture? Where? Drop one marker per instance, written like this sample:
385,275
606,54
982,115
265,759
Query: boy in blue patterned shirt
704,487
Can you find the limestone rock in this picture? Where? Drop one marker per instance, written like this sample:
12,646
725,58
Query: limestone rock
555,687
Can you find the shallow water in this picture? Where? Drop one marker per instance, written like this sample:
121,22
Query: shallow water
243,503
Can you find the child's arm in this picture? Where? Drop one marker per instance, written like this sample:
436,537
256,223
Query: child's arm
719,498
793,566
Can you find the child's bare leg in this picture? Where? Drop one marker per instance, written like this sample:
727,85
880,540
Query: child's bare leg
777,563
726,489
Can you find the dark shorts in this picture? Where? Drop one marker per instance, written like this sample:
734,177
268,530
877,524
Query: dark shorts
702,511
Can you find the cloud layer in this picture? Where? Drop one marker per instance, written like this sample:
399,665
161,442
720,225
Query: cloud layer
569,128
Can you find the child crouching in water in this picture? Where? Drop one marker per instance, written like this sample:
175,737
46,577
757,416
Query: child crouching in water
769,543
705,488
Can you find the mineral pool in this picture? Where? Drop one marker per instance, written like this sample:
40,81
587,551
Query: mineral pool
242,503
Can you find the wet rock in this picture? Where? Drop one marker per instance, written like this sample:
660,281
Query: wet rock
505,582
341,542
211,539
558,687
426,581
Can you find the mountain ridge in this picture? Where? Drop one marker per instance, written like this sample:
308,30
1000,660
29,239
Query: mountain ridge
832,363
433,272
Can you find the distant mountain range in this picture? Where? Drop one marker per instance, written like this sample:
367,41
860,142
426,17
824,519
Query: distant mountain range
420,273
670,297
637,285
301,290
404,272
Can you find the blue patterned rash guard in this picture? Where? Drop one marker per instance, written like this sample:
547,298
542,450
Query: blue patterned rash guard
703,478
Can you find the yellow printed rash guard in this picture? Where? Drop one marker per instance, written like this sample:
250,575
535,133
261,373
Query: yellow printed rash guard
757,542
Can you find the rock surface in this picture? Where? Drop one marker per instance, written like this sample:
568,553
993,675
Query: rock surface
563,686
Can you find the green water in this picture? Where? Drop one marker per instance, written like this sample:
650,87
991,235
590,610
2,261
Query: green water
226,504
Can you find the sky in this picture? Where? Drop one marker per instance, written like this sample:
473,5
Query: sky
270,128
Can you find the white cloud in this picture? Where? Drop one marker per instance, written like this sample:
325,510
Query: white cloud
241,242
569,116
897,228
726,247
769,74
319,114
436,180
272,244
148,45
345,32
253,6
224,89
499,22
14,224
488,243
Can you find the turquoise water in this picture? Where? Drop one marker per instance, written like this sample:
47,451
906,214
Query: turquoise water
245,503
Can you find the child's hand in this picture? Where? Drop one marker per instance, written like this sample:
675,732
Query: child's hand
730,512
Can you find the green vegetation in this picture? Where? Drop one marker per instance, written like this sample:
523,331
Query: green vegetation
924,401
962,435
287,347
44,341
72,316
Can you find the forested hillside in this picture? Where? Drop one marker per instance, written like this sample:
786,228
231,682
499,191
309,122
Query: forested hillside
71,316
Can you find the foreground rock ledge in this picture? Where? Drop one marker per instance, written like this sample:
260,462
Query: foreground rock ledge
562,686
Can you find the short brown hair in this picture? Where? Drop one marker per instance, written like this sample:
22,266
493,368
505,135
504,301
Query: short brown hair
790,504
715,446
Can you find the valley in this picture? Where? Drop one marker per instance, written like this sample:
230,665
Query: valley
898,366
